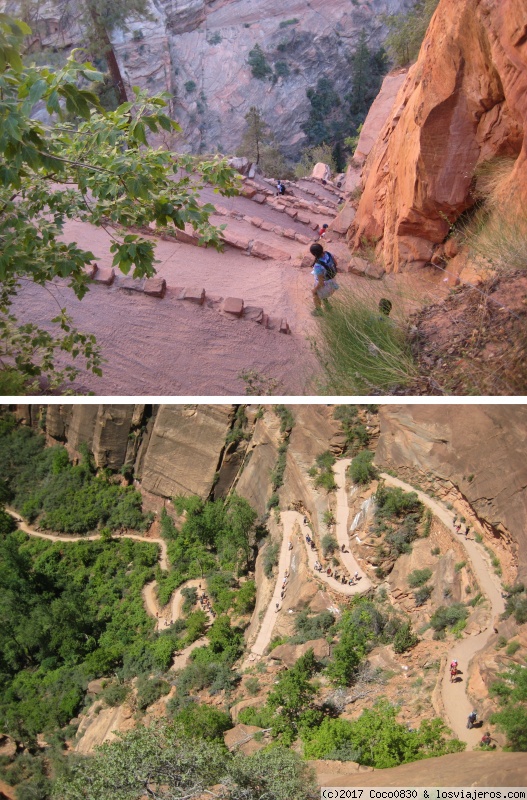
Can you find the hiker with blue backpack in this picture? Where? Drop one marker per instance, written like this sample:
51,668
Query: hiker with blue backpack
325,271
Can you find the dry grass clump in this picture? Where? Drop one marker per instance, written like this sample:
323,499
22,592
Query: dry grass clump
497,233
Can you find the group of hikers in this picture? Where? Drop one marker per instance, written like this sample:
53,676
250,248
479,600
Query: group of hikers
330,572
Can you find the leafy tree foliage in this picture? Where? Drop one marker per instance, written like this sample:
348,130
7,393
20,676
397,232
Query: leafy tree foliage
99,170
200,721
163,761
511,691
42,483
258,63
333,118
309,627
376,739
68,613
418,577
292,696
446,616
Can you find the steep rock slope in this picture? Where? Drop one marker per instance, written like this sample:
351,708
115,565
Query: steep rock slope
462,104
197,51
479,450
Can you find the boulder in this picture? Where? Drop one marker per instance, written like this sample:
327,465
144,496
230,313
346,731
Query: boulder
289,233
193,295
155,287
284,326
303,217
451,248
289,654
131,284
105,275
248,191
188,236
321,172
233,240
343,220
291,212
302,239
259,198
263,250
358,265
241,165
253,313
233,306
374,271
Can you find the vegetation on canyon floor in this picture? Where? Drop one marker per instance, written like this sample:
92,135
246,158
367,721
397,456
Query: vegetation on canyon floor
73,611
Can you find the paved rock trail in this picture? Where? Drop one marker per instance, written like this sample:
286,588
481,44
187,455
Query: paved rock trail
455,695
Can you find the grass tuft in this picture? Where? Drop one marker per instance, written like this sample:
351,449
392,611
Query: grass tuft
362,351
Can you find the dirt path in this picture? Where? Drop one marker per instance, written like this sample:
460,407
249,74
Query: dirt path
289,520
342,533
454,695
164,615
284,562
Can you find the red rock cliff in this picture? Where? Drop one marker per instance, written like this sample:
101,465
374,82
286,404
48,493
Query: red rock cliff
464,102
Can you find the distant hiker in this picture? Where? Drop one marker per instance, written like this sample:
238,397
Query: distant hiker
325,271
356,576
486,739
280,188
305,520
290,546
277,606
323,230
472,717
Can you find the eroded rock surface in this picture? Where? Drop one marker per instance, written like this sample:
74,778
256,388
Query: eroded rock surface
463,103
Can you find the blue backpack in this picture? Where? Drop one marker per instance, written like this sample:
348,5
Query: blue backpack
327,261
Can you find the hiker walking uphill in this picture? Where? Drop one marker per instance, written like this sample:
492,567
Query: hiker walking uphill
325,271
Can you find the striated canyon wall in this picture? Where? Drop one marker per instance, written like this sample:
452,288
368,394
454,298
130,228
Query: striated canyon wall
463,103
197,51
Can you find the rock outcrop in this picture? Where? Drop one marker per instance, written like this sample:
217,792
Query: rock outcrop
477,449
463,103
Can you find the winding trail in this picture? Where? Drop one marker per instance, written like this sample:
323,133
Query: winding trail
163,615
289,519
455,699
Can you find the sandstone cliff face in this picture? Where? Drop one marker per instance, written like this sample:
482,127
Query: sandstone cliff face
478,449
463,103
184,449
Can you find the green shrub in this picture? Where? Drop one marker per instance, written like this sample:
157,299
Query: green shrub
115,693
308,627
190,86
511,691
150,690
407,30
270,558
281,69
404,639
286,22
422,595
361,469
190,595
446,616
258,63
252,685
459,566
326,480
246,597
201,721
329,545
513,648
286,417
418,577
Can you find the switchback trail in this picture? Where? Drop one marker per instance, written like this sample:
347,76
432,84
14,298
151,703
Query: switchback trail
289,519
454,695
164,615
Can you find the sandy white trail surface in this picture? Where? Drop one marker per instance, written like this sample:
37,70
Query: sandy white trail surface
455,700
347,557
